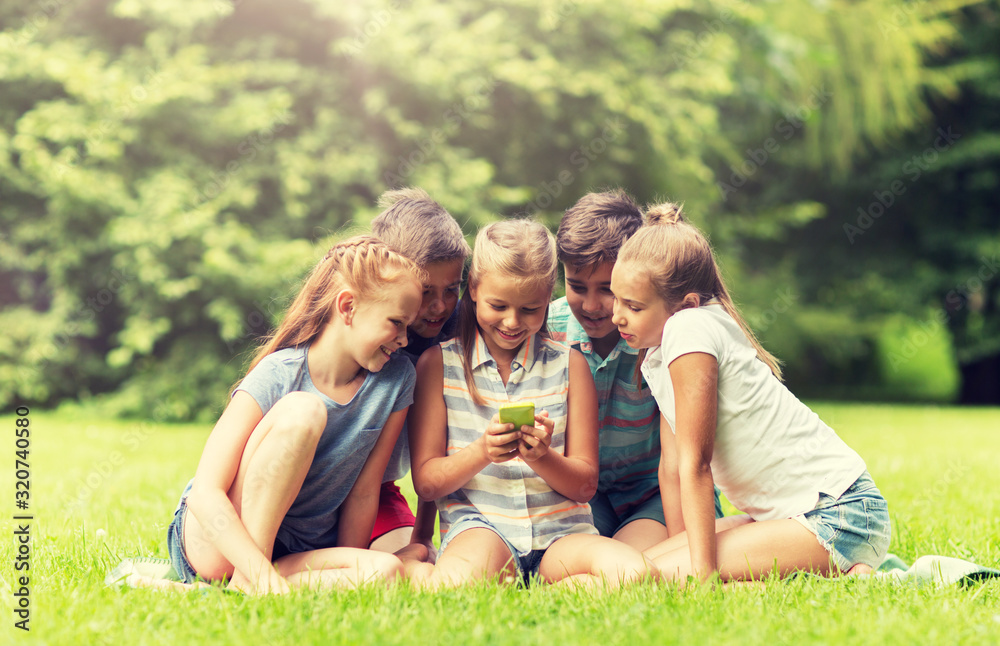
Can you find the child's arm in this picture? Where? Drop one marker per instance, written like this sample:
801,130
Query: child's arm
209,500
423,526
670,486
573,474
695,379
357,514
435,473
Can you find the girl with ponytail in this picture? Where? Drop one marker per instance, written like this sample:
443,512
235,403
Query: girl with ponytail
728,420
286,491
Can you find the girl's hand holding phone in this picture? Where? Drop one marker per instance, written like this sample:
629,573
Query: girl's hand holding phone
501,440
535,444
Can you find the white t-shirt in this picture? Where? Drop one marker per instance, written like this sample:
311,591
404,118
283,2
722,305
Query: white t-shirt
772,455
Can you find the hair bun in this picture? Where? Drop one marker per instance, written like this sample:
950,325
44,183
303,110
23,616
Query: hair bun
665,213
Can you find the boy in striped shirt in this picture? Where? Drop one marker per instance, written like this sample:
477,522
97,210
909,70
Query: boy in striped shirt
627,505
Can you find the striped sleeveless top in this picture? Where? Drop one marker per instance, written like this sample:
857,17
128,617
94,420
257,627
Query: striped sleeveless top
511,497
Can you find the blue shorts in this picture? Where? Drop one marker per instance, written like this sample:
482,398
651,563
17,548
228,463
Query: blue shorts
608,521
526,564
854,528
175,541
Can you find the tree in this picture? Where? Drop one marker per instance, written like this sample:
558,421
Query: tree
169,171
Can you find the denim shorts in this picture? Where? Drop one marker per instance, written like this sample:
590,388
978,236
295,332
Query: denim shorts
608,522
854,528
526,564
175,541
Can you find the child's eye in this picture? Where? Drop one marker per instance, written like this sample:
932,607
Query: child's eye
498,308
577,289
530,310
397,323
634,308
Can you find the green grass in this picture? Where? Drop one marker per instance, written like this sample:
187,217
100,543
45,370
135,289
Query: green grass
936,467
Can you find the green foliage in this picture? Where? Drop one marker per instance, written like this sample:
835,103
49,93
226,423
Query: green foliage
168,172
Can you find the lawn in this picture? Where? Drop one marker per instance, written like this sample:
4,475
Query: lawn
104,489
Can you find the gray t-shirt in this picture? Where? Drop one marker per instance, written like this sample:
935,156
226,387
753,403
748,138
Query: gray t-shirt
350,435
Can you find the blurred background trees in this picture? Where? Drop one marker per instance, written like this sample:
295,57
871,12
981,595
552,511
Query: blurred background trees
168,171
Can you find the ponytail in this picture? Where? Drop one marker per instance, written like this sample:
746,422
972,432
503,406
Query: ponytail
679,261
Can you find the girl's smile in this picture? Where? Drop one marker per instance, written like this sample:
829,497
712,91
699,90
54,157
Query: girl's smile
508,312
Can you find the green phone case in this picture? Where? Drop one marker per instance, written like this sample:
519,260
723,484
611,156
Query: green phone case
518,414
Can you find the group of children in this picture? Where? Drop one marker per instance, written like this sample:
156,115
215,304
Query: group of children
651,395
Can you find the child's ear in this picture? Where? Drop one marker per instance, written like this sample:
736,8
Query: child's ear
690,300
472,292
345,305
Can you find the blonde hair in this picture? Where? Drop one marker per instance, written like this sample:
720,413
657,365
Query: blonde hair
416,226
362,264
592,231
678,261
521,250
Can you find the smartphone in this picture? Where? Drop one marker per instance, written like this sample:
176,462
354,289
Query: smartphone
519,415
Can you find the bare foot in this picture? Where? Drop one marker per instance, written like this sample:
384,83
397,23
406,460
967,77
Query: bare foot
859,569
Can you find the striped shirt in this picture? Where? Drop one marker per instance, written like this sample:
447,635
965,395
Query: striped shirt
628,415
511,497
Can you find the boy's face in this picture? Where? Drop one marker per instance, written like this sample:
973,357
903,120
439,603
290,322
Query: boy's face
588,294
444,279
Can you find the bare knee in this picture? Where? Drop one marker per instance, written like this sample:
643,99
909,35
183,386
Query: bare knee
385,567
300,415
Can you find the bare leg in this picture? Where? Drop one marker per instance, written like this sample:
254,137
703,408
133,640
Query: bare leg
642,534
681,540
473,555
273,466
593,561
338,567
755,550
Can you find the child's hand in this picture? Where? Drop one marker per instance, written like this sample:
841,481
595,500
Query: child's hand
500,441
535,439
269,582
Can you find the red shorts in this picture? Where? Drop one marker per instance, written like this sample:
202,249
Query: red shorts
393,511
